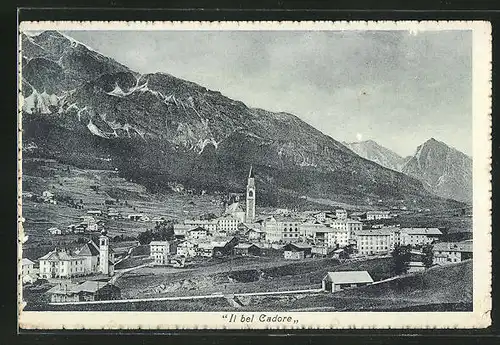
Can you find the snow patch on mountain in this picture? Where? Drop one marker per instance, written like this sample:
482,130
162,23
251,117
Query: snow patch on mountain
39,102
375,152
203,143
96,131
117,91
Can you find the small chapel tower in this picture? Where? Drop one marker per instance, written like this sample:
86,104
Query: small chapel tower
250,199
104,253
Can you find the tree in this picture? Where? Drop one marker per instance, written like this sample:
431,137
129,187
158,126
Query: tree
401,256
164,231
145,237
428,257
208,216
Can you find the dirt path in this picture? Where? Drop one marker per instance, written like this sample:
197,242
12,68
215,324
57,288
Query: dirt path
119,273
180,298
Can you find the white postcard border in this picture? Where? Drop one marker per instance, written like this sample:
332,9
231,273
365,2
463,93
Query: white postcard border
478,318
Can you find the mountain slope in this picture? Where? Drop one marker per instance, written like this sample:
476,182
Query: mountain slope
371,150
445,171
86,109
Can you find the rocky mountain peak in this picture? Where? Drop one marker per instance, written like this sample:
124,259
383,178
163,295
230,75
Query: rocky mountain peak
160,128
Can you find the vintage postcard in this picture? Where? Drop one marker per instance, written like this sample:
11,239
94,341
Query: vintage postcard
254,175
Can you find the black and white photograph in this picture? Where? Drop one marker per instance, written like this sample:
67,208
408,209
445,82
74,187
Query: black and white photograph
258,174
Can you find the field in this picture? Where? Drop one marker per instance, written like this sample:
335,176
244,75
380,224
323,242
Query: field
92,188
447,288
239,275
453,225
447,285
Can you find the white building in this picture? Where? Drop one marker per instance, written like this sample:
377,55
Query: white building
60,264
341,214
272,230
227,224
209,225
197,233
337,281
205,249
95,212
90,259
47,195
376,215
342,232
55,231
452,252
375,241
419,236
313,230
236,211
290,230
186,249
320,216
90,253
285,229
348,225
160,252
27,267
337,238
182,229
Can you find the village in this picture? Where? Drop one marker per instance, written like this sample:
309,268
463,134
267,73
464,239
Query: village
90,272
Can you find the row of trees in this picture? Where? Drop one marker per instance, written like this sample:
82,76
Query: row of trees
163,231
402,256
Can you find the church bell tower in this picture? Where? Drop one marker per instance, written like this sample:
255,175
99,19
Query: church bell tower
250,199
104,253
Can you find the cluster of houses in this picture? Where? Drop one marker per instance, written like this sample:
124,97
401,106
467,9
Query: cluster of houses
239,231
301,234
61,263
90,290
92,261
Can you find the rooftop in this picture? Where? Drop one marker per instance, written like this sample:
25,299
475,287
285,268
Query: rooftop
245,245
298,246
71,288
159,243
376,232
421,231
465,246
89,249
378,212
348,277
26,261
56,255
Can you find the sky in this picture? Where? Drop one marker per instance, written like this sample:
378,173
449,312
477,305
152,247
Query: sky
398,88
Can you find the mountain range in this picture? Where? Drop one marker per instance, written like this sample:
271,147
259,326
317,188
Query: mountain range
88,110
442,169
377,153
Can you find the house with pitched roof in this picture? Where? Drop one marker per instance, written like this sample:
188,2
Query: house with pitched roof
452,252
245,249
60,263
29,274
337,281
186,249
419,236
197,233
90,252
296,251
375,241
160,252
377,215
86,291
